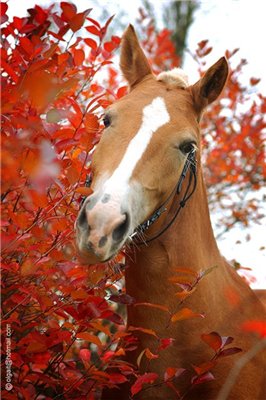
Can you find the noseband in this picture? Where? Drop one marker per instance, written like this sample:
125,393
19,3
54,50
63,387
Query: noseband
190,165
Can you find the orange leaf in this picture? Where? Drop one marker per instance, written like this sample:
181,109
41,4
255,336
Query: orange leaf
204,367
159,306
90,338
85,191
36,347
91,123
79,57
77,21
185,293
150,355
185,313
79,294
27,268
144,330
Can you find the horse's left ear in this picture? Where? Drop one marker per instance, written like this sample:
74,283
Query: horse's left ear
133,62
210,86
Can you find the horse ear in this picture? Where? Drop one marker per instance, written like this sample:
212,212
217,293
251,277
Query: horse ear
210,86
133,63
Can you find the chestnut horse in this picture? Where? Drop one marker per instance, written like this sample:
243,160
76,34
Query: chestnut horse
148,189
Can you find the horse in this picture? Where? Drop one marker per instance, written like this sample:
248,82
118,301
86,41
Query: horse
148,194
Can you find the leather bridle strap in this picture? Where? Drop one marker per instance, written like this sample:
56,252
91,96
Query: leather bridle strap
190,165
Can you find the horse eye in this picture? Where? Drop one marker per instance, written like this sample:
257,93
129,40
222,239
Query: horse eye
187,147
106,121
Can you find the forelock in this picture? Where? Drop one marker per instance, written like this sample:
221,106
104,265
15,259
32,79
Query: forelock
174,78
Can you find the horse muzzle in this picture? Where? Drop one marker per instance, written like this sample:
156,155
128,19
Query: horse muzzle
102,229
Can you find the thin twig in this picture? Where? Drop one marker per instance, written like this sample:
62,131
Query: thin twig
235,371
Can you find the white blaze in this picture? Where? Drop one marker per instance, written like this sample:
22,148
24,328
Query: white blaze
155,115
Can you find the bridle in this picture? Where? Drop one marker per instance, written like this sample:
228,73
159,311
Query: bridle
190,165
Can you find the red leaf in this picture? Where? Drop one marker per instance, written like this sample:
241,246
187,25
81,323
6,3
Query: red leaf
122,299
207,377
3,8
27,45
41,15
226,340
255,326
104,29
9,71
78,20
79,57
91,43
116,39
173,372
122,91
213,340
4,17
109,46
94,22
85,355
229,352
36,347
69,10
254,81
92,29
202,44
117,378
148,377
111,316
164,343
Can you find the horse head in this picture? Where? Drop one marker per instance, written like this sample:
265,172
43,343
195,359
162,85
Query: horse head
145,144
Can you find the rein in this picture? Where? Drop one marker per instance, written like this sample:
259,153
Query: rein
190,165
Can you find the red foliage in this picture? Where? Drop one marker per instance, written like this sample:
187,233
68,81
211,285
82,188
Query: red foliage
56,312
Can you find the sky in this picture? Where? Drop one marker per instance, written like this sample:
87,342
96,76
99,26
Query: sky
227,24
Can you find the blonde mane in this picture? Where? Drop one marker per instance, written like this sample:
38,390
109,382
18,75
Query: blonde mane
174,78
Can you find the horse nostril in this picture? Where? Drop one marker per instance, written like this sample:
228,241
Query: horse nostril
82,221
120,231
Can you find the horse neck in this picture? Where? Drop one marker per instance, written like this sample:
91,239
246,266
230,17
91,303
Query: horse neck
189,242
